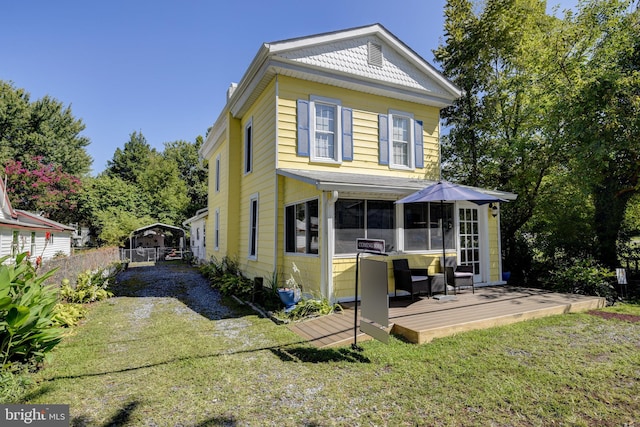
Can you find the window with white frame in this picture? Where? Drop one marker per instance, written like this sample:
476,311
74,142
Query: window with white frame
325,130
33,244
360,219
216,230
301,227
401,141
423,226
14,243
248,147
253,227
217,176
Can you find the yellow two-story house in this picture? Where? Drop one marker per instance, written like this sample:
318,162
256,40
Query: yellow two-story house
316,143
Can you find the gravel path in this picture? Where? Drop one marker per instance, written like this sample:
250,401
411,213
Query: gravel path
173,280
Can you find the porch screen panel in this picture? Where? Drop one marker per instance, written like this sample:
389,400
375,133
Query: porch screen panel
439,213
381,222
416,226
349,225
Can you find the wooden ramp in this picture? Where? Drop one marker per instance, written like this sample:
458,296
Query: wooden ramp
424,319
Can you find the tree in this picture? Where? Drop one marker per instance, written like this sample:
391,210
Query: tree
603,125
43,128
501,134
191,170
38,187
133,159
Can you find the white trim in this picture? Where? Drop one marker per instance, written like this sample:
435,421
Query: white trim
411,143
337,132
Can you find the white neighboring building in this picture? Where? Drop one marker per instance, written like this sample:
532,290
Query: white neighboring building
196,225
22,231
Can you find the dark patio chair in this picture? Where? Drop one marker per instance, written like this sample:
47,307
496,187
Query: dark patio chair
412,280
458,276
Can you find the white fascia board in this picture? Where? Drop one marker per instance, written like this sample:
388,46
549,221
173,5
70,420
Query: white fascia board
214,135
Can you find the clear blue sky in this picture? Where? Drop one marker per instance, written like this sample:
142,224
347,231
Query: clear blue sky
163,67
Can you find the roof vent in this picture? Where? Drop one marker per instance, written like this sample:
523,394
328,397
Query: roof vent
374,54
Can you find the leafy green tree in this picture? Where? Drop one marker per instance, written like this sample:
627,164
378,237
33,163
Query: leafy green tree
603,114
116,224
43,128
191,170
133,159
104,199
161,185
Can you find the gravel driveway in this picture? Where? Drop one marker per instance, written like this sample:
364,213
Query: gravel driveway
173,279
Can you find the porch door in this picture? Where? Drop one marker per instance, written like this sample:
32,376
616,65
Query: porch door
470,240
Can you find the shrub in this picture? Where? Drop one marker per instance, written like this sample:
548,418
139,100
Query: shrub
68,314
583,276
225,276
27,329
90,286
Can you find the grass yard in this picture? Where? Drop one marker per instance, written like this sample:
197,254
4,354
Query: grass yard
153,361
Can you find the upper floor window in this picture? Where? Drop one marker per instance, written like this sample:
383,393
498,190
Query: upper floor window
248,147
325,130
400,140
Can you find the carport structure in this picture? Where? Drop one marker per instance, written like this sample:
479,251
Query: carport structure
156,242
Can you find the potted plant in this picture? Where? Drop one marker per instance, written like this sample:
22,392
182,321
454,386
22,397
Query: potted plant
292,292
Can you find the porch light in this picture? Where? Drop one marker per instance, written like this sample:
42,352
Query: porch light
494,209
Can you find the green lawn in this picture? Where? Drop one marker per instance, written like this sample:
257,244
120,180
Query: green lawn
153,361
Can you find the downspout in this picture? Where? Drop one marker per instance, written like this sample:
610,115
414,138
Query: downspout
328,246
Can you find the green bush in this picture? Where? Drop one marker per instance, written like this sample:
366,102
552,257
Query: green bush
225,276
583,276
68,314
90,286
312,307
27,329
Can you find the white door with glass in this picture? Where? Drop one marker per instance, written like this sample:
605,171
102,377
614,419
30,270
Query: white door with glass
469,243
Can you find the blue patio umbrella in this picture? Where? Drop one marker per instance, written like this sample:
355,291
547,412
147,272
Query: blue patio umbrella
444,191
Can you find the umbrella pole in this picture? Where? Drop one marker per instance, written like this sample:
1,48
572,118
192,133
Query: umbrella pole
444,254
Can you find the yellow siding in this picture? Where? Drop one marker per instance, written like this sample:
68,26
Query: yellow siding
308,273
261,181
365,129
218,200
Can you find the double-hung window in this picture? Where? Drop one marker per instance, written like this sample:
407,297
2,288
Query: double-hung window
216,230
217,176
301,227
325,130
401,140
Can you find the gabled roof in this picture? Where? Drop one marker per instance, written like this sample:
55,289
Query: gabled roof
340,58
201,213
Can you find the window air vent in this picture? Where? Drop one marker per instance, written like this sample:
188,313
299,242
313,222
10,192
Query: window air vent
375,54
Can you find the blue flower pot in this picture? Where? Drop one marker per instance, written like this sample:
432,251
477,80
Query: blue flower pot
506,275
289,298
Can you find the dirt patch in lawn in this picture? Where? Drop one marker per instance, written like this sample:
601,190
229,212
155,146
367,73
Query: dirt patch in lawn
618,316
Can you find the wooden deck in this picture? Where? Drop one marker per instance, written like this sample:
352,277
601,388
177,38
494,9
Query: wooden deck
424,319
